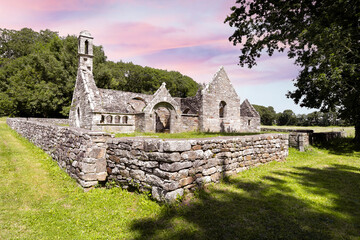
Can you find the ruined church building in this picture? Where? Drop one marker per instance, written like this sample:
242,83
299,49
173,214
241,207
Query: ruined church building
215,108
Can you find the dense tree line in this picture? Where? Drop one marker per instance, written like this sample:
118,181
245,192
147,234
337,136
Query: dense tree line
38,72
289,118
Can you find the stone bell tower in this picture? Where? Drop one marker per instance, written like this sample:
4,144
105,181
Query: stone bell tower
85,50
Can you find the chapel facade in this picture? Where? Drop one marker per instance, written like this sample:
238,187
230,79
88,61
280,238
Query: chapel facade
215,108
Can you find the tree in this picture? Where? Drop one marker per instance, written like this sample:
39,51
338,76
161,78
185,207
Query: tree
323,38
267,114
287,117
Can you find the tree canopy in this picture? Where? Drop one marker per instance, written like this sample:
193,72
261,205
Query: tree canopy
38,73
323,38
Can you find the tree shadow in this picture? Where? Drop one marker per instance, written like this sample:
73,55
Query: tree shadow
267,209
341,146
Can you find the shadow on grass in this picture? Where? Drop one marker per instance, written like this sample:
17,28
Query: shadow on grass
341,146
268,209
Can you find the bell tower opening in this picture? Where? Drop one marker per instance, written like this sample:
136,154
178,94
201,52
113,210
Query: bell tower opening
85,51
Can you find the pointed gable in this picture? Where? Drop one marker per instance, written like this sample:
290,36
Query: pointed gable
220,82
247,110
162,95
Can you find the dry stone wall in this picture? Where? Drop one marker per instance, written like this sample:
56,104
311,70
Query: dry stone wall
166,167
81,153
170,167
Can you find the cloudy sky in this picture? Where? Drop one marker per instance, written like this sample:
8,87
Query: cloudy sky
188,36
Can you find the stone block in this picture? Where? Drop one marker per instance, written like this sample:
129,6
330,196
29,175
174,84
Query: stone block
172,196
176,146
138,145
153,180
137,174
170,186
196,147
208,154
100,166
192,155
173,167
158,193
88,167
101,176
215,177
186,181
209,171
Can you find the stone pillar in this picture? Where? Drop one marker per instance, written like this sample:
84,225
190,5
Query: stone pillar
93,165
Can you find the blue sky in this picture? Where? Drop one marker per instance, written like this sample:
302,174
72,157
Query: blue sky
183,35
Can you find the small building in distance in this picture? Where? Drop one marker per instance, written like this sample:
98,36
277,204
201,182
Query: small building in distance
215,108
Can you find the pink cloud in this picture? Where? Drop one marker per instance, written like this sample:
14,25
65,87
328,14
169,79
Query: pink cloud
54,5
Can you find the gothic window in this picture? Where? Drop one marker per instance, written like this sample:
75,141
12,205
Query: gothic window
125,119
102,120
222,109
117,119
86,47
108,119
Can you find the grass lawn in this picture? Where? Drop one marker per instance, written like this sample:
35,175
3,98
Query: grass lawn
350,131
313,195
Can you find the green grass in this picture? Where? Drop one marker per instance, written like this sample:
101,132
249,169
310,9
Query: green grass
181,135
350,131
313,195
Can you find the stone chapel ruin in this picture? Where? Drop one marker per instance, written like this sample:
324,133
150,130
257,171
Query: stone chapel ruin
216,108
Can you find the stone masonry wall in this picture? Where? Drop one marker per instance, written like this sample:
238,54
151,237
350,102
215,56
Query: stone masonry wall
81,153
166,167
170,167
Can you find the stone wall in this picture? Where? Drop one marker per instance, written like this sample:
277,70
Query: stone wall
55,121
81,153
166,167
170,167
190,122
299,140
250,124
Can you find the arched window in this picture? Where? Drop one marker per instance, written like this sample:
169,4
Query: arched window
102,120
108,119
222,109
125,119
249,122
86,47
117,119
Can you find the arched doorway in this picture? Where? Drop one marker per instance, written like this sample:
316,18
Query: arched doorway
163,114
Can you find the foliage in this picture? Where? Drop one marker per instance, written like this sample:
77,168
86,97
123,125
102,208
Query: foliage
267,114
313,195
322,36
38,72
287,117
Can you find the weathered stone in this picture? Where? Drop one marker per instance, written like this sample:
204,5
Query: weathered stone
172,167
172,196
196,147
186,181
192,155
137,174
176,146
158,193
87,167
209,171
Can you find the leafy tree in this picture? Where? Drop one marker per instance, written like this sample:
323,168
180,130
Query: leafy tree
38,72
267,114
322,36
287,117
